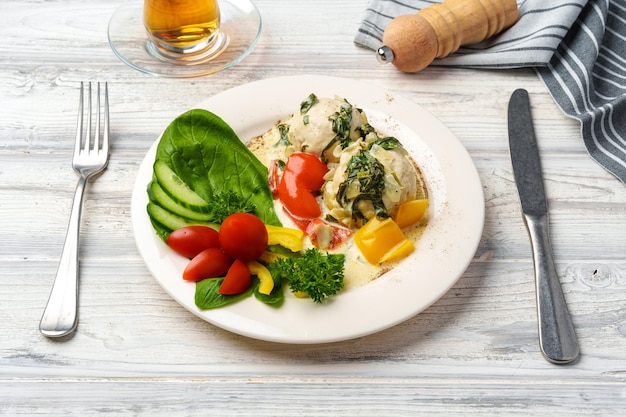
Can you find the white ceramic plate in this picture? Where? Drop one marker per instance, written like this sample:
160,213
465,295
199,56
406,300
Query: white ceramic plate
442,254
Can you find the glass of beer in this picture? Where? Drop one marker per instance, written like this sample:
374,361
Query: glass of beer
182,27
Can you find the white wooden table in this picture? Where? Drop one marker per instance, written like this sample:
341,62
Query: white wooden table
138,352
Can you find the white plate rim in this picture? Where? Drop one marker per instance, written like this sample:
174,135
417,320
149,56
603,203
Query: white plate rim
442,254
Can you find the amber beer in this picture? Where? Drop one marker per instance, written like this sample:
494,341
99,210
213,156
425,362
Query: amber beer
181,25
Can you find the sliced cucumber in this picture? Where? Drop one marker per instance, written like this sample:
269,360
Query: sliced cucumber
177,189
170,220
159,196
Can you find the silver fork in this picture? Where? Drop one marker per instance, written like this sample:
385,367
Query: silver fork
91,156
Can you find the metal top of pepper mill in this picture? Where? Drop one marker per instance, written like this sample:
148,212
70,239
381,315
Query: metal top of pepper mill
384,54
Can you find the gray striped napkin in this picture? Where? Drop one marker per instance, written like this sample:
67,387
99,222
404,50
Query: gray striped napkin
577,47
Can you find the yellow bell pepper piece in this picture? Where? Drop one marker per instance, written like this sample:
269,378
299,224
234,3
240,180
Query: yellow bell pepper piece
410,212
267,282
382,240
286,237
399,251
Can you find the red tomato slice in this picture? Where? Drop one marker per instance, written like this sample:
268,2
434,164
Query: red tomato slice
191,240
303,176
325,235
243,236
237,279
309,169
210,263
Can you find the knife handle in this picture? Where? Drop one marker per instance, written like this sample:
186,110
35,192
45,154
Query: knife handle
557,338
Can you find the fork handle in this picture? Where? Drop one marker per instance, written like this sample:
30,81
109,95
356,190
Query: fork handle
60,317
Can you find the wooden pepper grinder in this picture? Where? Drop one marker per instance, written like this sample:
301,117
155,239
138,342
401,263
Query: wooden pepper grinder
412,42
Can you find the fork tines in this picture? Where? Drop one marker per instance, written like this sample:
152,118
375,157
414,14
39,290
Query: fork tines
96,142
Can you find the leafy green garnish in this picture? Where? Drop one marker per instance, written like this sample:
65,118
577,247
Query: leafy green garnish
370,135
205,152
226,203
309,102
315,274
283,130
365,129
388,143
207,294
275,298
369,174
341,121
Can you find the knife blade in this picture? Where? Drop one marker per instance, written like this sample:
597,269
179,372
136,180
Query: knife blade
557,338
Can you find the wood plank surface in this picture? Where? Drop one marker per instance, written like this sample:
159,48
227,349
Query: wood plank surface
137,352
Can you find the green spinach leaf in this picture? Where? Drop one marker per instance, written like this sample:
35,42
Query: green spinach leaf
274,299
207,294
205,152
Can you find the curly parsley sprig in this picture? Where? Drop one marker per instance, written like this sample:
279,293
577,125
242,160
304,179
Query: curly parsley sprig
226,203
316,274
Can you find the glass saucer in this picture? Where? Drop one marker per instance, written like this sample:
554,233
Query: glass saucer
240,29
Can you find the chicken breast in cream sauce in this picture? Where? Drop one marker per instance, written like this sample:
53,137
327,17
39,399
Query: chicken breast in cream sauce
369,174
314,130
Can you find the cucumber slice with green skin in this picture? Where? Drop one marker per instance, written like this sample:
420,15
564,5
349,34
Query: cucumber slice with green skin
172,221
176,188
159,196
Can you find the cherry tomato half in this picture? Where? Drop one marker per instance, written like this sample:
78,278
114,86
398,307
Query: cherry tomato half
243,236
304,175
210,263
237,279
191,240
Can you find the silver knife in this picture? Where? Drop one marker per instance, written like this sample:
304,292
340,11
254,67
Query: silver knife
557,338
